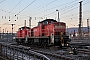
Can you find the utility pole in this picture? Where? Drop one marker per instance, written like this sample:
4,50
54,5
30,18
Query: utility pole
80,20
7,35
25,23
30,22
0,32
12,31
30,25
5,30
88,26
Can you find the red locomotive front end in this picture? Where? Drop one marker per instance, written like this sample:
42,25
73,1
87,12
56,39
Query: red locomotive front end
53,27
22,34
25,32
19,33
59,27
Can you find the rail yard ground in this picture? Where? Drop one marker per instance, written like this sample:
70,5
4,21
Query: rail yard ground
77,50
82,51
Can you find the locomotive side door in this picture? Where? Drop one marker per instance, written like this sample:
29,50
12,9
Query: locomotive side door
52,38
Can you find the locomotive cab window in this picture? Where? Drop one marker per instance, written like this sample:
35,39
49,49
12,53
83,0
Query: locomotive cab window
27,28
19,29
39,23
52,21
22,28
45,22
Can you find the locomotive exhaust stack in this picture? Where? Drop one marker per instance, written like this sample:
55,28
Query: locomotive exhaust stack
25,23
30,22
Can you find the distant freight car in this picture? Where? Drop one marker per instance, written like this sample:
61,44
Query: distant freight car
48,32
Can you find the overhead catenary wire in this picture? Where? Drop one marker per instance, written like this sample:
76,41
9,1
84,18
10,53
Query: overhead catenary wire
63,4
26,6
11,13
86,3
77,14
22,9
52,12
85,16
42,6
39,7
61,9
52,7
6,12
63,14
58,6
16,5
44,15
66,11
2,1
85,12
48,4
31,3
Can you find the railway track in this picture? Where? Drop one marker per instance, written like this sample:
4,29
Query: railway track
53,53
63,54
46,53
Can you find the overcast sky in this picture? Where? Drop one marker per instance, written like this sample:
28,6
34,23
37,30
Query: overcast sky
39,10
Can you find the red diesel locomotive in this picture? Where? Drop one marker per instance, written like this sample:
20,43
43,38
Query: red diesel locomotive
48,32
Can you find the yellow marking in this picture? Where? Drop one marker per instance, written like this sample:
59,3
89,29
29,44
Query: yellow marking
62,40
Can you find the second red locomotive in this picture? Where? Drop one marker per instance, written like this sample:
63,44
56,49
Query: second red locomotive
48,32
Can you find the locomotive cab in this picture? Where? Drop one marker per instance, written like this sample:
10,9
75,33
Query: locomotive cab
46,22
56,31
22,33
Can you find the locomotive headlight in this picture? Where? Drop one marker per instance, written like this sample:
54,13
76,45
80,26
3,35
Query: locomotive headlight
71,52
67,44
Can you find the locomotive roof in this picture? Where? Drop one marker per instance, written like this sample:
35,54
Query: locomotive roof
24,27
47,20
